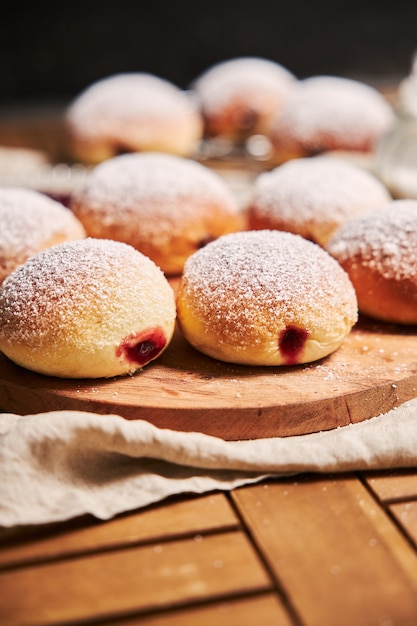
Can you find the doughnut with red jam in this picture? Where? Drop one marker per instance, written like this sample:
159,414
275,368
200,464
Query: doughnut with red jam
265,298
86,309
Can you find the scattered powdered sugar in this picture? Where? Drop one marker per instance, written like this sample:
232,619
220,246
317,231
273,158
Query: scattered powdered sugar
148,191
76,286
319,190
330,106
128,97
259,279
222,83
30,220
385,240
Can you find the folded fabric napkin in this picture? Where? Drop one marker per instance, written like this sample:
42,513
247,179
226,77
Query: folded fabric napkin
62,464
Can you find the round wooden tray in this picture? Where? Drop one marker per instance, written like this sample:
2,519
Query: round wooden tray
374,371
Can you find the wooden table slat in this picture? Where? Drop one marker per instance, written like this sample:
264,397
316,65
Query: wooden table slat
406,515
174,519
138,579
266,610
338,556
395,486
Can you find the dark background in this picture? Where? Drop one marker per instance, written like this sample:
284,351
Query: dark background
54,51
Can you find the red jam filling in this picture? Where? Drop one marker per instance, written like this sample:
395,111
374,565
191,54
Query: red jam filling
246,118
140,348
291,343
62,198
203,242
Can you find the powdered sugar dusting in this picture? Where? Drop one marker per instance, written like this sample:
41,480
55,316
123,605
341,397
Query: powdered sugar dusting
127,97
31,221
151,192
385,240
60,288
313,196
334,110
222,83
257,280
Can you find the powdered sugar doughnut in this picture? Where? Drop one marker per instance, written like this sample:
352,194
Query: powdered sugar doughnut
86,309
31,222
379,252
265,298
163,205
330,113
313,197
132,112
240,96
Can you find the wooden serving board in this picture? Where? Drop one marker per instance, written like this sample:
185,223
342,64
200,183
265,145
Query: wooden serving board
374,371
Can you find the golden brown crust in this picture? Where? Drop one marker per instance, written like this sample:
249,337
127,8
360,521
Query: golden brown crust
388,299
327,113
313,197
379,252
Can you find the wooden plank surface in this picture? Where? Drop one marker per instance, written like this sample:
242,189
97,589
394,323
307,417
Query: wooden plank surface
190,517
338,556
303,551
405,513
143,578
398,485
265,610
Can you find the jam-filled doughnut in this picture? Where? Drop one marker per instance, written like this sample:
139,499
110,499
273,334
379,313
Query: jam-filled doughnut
86,309
325,113
313,197
132,112
265,298
379,252
240,96
30,222
166,206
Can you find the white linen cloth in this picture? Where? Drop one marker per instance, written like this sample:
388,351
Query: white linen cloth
62,464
